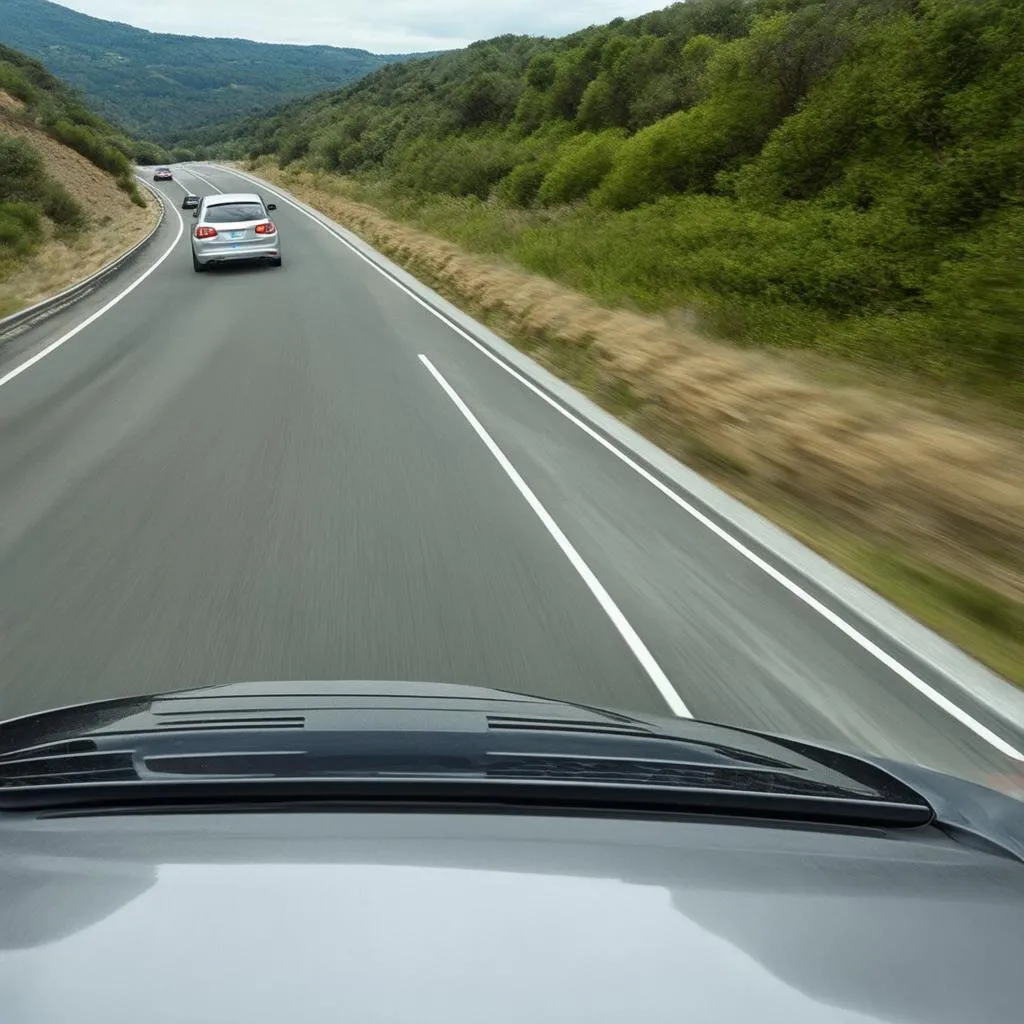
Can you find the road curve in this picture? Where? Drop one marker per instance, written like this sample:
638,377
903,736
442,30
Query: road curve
301,473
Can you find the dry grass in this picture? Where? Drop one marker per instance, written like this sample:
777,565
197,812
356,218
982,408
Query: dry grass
115,225
892,476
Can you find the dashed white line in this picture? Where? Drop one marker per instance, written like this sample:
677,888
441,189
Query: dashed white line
53,346
604,599
924,688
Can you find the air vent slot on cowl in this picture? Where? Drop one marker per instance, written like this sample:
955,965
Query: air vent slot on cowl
78,761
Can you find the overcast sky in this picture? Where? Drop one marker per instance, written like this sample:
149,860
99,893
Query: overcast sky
382,26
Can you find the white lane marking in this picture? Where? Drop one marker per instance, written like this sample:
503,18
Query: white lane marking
926,690
53,346
205,181
604,599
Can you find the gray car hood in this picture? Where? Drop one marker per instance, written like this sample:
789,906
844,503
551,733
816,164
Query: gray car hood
471,918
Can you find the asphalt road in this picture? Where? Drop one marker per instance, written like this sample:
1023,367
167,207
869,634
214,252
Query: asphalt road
255,474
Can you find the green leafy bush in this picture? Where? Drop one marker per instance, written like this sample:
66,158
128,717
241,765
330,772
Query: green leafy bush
20,229
27,194
61,208
583,161
521,185
93,146
464,166
22,170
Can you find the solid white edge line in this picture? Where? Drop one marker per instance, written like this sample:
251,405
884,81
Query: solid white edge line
53,346
604,599
928,691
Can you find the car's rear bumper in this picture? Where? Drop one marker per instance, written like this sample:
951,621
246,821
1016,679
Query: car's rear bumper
229,254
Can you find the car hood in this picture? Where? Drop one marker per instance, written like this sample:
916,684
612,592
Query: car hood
467,918
393,917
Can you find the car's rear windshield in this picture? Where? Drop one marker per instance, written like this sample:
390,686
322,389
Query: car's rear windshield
232,213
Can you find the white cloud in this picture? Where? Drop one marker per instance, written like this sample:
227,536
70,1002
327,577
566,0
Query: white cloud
393,26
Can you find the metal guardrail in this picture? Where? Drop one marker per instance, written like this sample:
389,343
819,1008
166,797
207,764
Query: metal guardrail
46,308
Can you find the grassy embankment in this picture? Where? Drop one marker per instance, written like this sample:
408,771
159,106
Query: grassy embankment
923,508
781,237
68,200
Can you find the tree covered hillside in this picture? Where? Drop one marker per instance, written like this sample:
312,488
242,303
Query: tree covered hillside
161,85
845,174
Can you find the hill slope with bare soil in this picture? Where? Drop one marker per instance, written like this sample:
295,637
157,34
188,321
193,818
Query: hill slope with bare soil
113,223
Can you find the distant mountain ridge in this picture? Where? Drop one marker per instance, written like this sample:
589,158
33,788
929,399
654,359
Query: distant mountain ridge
161,85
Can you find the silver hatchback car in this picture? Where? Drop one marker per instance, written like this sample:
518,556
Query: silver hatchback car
233,227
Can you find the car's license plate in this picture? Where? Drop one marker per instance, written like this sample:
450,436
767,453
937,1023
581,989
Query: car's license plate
237,234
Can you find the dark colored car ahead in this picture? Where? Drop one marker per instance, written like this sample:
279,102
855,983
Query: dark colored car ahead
378,852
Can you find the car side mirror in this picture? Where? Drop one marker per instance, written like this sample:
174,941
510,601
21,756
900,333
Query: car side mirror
195,214
271,206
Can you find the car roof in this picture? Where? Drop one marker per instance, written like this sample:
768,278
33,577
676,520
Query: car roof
233,197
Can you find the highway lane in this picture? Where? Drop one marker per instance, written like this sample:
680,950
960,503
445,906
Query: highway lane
254,474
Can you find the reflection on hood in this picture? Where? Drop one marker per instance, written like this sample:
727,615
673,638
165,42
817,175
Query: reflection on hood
896,955
51,901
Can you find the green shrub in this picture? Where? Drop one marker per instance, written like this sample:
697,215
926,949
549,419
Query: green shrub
461,166
978,299
93,147
20,229
582,164
61,207
521,185
22,170
26,192
292,149
13,82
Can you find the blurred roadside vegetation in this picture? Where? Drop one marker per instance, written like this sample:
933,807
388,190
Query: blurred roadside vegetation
842,176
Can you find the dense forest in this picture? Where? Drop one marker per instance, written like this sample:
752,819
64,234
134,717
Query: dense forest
845,175
160,85
28,196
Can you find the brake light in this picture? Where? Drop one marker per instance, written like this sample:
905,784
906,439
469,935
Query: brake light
204,232
266,229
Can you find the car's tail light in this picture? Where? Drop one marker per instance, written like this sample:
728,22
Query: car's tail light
266,229
204,232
